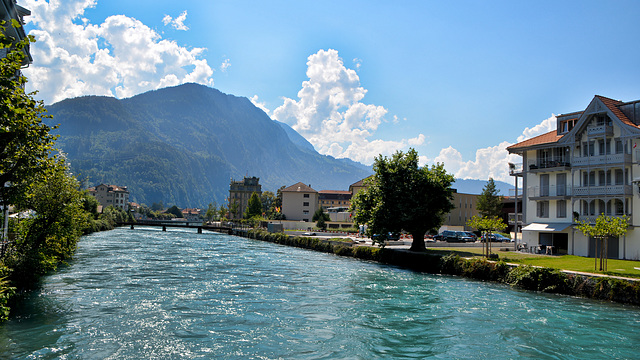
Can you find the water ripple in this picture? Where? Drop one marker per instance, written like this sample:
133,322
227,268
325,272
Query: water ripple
132,294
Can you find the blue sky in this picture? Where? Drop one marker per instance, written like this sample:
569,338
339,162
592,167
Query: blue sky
458,81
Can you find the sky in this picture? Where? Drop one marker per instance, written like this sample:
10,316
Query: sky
458,81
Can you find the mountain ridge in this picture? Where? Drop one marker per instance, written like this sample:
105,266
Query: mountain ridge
182,145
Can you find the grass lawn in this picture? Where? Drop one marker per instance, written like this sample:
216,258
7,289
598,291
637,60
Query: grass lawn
624,268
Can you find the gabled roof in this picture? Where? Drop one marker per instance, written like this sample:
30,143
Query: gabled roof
613,106
299,187
360,183
548,138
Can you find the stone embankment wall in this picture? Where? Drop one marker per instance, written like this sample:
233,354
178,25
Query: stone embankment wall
525,277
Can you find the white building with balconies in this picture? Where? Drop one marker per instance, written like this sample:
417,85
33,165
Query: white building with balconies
589,165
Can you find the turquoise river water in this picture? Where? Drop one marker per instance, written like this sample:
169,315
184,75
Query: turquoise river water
147,294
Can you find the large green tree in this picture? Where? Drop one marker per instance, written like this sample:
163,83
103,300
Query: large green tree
404,196
25,141
254,206
489,202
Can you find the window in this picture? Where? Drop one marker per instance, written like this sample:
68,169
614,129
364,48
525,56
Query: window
305,203
543,209
619,177
305,212
305,195
561,209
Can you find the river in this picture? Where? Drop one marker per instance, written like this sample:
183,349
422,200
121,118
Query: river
148,294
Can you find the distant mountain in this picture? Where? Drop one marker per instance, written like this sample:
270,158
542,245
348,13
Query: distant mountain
182,145
476,186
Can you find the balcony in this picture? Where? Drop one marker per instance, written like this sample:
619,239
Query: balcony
549,192
625,190
600,130
609,159
592,218
548,165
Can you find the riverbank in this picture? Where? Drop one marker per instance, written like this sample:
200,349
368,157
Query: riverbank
626,291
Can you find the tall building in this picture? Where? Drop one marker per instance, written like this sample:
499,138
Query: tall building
586,167
240,193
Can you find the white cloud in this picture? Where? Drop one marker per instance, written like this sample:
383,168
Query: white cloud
329,112
120,57
258,104
544,127
491,162
225,65
177,23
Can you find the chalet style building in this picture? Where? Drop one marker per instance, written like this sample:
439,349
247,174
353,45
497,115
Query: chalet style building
10,10
586,167
114,195
240,192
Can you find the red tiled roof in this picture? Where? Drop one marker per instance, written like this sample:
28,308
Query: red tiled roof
548,138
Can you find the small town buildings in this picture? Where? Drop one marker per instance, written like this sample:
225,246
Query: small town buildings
465,209
586,167
114,195
240,193
191,214
299,202
334,199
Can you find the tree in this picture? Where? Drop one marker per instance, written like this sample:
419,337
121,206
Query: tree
321,217
175,211
222,212
403,196
268,200
26,143
489,202
486,225
604,227
233,208
159,206
51,235
254,206
212,211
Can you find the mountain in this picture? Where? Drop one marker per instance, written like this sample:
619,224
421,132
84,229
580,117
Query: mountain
470,186
182,145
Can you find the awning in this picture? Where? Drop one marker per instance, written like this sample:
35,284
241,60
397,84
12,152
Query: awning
546,227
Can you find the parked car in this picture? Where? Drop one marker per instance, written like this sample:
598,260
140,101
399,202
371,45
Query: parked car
393,236
472,235
309,234
453,236
496,238
464,236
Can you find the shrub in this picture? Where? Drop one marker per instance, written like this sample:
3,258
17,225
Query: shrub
538,279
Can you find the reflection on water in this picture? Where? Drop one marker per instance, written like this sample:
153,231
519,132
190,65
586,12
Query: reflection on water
143,293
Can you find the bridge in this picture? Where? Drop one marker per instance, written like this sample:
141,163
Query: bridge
179,224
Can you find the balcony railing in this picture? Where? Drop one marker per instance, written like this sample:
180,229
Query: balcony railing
549,191
603,190
592,218
602,159
600,130
548,164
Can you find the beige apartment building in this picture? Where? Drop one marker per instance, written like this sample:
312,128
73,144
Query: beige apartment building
114,195
299,202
